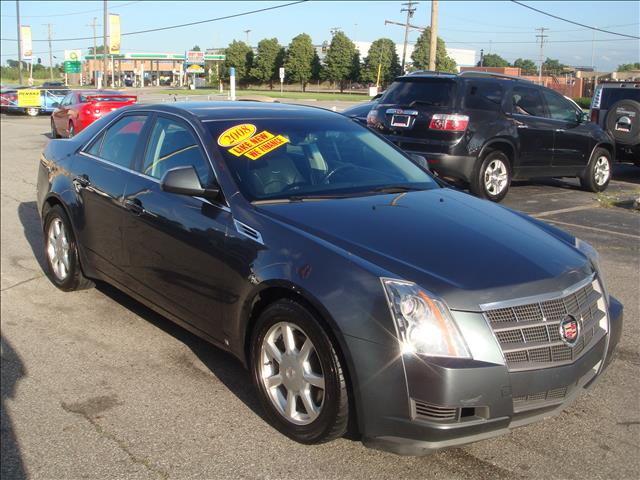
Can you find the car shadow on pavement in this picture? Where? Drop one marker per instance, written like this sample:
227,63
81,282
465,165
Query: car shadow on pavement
12,371
30,220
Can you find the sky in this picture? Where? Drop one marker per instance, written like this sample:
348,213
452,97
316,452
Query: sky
500,27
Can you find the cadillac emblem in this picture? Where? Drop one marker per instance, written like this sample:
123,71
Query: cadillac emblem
569,330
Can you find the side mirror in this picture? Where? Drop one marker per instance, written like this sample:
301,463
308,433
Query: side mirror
584,117
375,97
420,161
185,181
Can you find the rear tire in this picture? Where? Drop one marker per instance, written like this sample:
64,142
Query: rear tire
313,384
597,175
492,178
32,111
61,252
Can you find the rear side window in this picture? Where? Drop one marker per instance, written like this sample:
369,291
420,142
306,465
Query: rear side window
439,93
484,96
613,95
172,144
527,101
119,141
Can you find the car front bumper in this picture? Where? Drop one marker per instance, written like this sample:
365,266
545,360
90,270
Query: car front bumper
483,394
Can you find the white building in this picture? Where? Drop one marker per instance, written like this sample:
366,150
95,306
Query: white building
462,57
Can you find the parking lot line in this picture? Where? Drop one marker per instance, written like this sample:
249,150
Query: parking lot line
599,230
565,210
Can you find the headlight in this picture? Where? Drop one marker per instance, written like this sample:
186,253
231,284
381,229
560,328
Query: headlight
423,322
594,258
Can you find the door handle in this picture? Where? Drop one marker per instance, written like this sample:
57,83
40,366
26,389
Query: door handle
134,206
81,182
560,129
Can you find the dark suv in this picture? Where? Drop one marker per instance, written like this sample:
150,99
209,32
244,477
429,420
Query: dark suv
615,106
486,129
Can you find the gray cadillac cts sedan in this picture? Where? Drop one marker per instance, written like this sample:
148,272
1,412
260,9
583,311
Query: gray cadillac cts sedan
359,290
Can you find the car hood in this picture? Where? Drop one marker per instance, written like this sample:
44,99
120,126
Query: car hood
468,251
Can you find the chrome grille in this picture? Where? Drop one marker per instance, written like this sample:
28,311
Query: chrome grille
435,412
524,402
529,333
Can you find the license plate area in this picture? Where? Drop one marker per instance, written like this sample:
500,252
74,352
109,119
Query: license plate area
400,121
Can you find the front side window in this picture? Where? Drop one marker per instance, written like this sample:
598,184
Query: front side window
119,142
527,101
172,144
305,157
559,108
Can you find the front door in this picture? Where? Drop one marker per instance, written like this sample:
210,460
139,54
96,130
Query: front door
572,136
535,129
61,114
104,167
175,244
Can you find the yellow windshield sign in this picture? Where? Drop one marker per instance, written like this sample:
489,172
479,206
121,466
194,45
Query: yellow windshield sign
249,144
235,135
266,147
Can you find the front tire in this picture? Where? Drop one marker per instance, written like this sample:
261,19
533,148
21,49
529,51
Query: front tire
54,130
298,374
492,178
61,252
32,111
597,175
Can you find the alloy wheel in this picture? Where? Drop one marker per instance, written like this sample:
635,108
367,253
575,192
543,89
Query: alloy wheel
602,170
58,249
495,177
291,373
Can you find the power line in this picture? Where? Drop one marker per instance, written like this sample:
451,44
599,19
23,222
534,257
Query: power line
170,27
574,23
69,14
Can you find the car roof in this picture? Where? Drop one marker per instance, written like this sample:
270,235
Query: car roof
609,84
228,110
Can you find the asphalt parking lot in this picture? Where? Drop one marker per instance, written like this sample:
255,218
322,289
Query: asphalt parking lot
94,385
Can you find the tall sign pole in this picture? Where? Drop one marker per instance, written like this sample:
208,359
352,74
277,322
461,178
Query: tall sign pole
19,41
104,44
50,54
433,44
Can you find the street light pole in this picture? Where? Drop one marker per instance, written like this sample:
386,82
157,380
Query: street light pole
19,42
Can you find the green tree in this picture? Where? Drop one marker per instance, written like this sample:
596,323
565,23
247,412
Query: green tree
240,56
299,60
195,48
420,55
527,67
628,67
342,61
552,67
382,52
493,60
268,60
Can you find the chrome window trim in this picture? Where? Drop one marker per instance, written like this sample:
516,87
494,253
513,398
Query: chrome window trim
538,298
150,110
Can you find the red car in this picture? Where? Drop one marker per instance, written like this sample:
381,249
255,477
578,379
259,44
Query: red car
83,107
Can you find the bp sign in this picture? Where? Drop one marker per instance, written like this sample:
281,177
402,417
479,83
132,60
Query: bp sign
194,69
72,67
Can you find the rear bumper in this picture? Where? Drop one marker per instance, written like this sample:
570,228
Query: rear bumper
459,167
486,392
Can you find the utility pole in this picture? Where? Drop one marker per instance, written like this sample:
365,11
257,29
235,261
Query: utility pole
19,41
593,50
433,44
104,45
410,9
541,36
482,57
50,52
247,32
335,30
93,25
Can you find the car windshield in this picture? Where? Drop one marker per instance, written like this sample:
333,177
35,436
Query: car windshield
435,92
297,158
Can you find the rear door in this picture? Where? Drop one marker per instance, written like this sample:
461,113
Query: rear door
535,128
61,114
572,137
175,244
103,169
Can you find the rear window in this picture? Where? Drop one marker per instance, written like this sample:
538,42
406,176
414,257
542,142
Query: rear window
439,93
106,98
613,95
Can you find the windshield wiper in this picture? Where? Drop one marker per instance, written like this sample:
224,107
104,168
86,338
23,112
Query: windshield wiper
396,189
421,102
